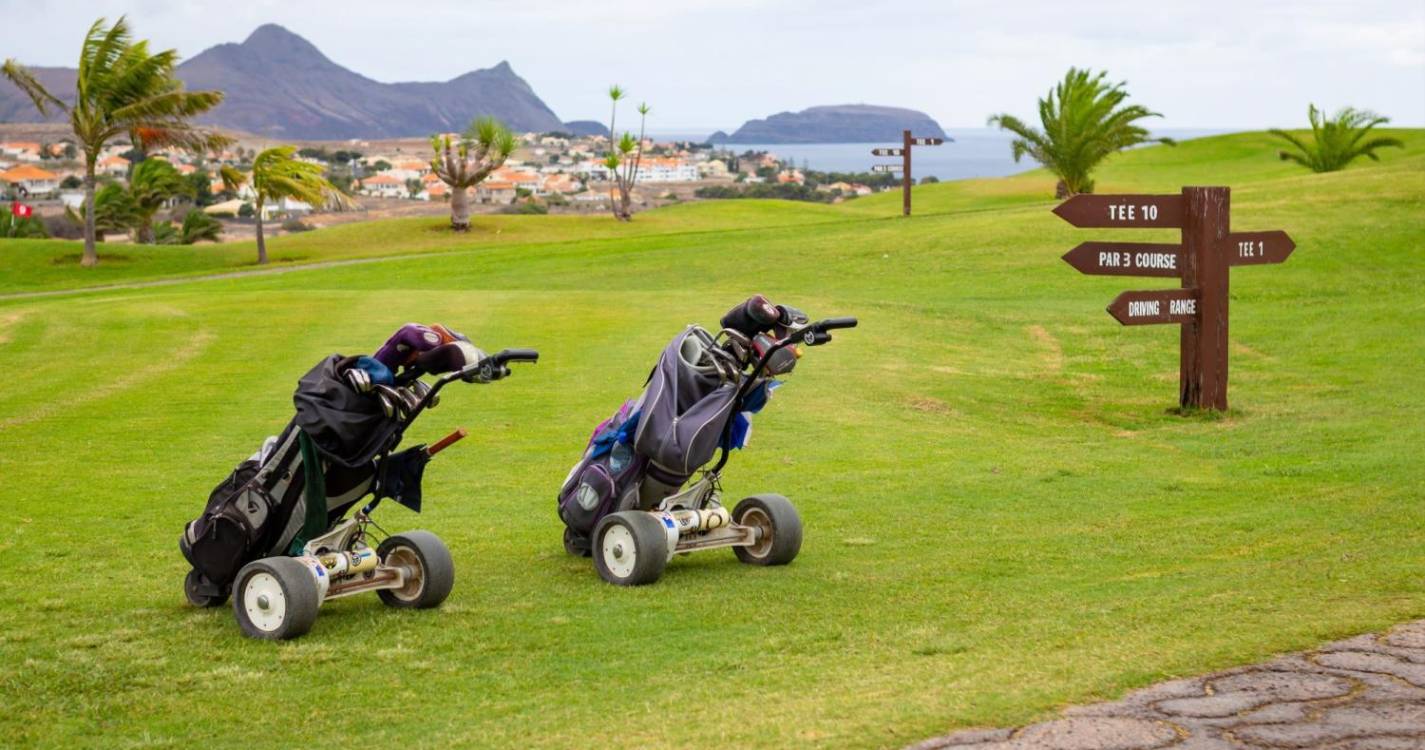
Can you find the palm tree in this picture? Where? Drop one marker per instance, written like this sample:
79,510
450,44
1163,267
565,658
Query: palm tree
1337,141
153,183
121,88
276,175
1084,119
463,164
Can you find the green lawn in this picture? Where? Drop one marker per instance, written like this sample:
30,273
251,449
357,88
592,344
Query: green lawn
1002,516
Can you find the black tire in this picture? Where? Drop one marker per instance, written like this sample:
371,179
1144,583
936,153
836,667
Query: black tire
576,544
779,528
432,569
203,593
289,590
638,552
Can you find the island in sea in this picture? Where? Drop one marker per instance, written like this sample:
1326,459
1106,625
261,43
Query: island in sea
840,123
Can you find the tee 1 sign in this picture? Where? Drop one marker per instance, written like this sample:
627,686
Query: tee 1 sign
1201,262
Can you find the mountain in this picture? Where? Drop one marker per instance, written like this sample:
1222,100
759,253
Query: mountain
842,123
279,85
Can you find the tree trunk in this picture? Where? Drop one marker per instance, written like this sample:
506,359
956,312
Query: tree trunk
460,209
1061,190
261,242
91,256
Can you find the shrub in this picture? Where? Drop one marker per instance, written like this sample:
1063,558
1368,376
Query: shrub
295,224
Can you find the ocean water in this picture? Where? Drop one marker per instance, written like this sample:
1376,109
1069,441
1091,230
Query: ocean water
975,152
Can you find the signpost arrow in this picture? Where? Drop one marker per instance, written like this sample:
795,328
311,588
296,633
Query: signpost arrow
927,141
887,152
1156,306
1127,259
1089,211
886,167
1256,248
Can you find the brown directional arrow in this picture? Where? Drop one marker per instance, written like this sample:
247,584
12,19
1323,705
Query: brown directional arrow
1254,248
927,141
1127,259
1082,210
887,152
1157,306
886,168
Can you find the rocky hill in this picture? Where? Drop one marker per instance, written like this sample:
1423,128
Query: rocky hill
843,123
279,85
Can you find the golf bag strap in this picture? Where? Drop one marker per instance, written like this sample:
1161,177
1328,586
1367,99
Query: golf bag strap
315,494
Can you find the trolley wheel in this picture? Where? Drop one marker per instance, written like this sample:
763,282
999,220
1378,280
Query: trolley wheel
275,598
630,548
779,530
575,543
430,572
203,593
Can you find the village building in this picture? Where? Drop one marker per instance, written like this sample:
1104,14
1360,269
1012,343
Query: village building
30,179
495,191
114,166
384,185
21,150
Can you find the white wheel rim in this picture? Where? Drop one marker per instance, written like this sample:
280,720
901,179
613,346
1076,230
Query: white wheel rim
619,551
405,557
758,519
264,602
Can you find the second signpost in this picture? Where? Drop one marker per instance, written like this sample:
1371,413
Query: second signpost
907,141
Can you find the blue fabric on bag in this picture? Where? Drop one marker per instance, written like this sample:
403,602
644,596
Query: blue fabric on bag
624,434
758,397
380,373
741,425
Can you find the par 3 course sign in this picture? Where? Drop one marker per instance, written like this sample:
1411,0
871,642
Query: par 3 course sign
1201,262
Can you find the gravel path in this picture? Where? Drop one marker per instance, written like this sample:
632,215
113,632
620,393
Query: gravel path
1364,693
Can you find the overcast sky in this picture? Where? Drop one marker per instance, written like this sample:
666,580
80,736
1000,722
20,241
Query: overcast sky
706,64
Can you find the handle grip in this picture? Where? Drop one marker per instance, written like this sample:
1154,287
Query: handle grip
515,355
447,441
831,324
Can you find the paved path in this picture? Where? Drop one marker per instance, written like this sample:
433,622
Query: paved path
1365,693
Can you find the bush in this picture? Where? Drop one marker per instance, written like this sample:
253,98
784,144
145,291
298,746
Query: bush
789,192
246,211
30,227
525,207
295,224
61,227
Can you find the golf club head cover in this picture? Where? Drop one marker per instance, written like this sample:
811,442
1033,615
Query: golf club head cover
448,357
407,343
755,315
782,361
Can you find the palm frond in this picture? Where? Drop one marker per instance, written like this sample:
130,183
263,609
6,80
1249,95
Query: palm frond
25,81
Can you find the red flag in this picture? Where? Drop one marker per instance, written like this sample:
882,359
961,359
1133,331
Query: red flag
21,210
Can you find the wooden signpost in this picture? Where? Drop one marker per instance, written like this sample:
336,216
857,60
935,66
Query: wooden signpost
907,141
1201,261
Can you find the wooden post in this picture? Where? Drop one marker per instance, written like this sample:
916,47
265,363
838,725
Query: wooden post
905,167
1202,382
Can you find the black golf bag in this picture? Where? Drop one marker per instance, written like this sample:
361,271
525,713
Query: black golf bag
332,454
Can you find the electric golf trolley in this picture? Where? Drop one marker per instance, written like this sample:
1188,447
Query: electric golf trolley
267,538
624,503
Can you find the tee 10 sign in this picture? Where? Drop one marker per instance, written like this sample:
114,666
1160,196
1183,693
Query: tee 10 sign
1201,261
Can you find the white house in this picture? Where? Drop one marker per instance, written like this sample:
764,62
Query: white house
385,186
31,179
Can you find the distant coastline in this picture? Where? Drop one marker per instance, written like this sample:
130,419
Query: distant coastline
976,152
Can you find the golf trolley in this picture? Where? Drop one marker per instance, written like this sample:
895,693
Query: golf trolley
277,596
632,545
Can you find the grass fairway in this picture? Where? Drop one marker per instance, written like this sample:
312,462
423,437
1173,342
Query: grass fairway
1002,517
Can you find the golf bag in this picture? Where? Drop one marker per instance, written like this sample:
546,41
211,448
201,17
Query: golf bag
351,412
690,408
